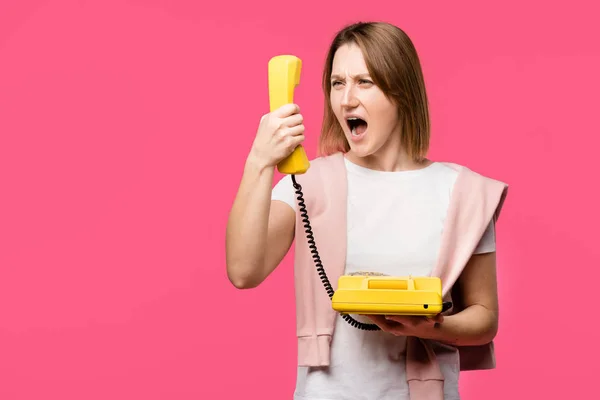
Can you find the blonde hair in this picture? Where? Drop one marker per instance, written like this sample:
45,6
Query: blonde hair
394,66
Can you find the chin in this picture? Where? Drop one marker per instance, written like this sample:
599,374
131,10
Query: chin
361,150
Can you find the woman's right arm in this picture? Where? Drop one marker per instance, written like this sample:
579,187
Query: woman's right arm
259,231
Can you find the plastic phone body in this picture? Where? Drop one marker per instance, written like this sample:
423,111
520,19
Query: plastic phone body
389,295
284,76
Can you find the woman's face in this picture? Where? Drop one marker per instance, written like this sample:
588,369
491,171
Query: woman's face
368,118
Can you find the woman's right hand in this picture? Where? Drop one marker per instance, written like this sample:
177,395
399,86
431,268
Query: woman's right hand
279,133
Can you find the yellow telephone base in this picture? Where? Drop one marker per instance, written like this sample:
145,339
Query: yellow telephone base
388,295
284,76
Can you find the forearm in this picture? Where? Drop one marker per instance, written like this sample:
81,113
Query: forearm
248,224
473,326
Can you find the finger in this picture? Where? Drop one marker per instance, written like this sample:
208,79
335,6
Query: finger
293,120
385,325
295,130
434,320
379,320
288,135
376,318
286,110
438,319
401,319
292,142
392,327
297,140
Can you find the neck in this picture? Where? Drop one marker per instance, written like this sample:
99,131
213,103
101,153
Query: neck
390,157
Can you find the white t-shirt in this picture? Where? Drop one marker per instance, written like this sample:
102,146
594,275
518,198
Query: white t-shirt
395,223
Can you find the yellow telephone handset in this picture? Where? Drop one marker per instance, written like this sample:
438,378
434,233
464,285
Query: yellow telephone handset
284,76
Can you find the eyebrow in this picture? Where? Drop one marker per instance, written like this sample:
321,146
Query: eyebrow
355,77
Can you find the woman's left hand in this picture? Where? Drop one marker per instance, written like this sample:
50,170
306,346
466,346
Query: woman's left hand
422,327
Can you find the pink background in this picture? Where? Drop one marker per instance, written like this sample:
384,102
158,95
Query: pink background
124,126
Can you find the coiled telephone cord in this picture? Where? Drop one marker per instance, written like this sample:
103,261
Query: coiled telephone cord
317,260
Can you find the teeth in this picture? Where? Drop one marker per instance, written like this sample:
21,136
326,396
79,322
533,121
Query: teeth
353,126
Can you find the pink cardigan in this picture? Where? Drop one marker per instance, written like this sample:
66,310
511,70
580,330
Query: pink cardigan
475,201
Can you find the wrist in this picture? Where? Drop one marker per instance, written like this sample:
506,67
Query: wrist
257,164
442,332
464,329
437,333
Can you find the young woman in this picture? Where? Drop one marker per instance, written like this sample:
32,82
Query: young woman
398,201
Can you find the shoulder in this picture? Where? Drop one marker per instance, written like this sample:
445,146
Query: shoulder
479,188
473,177
323,168
325,161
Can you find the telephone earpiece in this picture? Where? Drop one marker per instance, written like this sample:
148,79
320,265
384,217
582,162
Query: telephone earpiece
284,76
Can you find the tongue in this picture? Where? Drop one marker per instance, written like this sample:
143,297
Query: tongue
360,128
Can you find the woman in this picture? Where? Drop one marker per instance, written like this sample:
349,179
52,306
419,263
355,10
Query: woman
376,123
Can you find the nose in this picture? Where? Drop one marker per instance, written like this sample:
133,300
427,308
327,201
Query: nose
349,99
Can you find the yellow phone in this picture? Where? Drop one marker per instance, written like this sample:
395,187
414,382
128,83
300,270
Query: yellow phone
389,295
284,76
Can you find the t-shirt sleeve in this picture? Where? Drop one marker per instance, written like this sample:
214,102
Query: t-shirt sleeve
284,191
487,244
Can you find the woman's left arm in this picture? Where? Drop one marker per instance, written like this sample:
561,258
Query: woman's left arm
477,323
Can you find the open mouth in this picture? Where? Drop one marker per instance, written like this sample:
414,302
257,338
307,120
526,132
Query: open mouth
357,126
